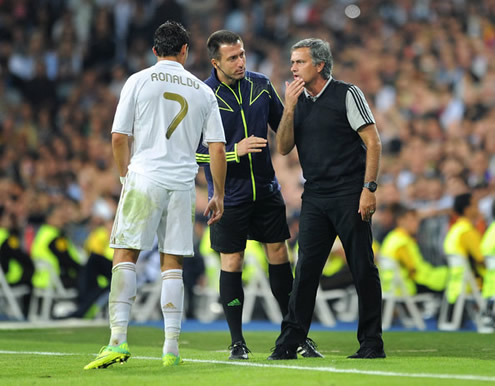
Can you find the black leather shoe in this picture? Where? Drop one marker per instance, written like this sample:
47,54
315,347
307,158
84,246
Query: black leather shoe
368,353
282,352
238,351
308,349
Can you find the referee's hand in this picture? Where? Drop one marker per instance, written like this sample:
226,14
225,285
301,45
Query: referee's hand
251,144
214,209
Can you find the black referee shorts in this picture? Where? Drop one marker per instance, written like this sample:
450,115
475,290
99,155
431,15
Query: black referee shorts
262,220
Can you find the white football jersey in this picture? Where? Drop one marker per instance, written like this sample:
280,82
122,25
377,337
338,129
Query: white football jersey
166,109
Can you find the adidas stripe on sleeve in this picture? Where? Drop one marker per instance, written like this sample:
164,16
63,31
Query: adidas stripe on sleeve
358,111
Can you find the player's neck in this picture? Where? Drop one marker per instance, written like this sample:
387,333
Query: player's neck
177,59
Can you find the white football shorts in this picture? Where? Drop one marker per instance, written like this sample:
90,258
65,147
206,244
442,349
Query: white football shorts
146,209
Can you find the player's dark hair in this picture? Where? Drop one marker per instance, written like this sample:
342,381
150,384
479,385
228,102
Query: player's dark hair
461,202
169,38
218,38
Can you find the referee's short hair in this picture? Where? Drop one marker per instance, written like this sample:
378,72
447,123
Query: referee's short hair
218,38
169,38
320,53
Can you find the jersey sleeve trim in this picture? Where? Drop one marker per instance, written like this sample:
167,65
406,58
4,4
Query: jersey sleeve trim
358,108
231,156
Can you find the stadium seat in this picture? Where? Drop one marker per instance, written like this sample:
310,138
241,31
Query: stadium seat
9,297
461,287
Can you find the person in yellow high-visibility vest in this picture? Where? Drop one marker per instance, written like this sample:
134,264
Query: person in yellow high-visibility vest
52,246
400,245
463,239
15,262
488,291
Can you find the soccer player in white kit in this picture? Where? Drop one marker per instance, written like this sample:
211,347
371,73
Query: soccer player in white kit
165,109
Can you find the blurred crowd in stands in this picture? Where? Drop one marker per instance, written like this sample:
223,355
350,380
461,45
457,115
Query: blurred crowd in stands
427,69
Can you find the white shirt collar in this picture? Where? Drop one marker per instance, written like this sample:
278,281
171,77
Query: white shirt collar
314,98
172,63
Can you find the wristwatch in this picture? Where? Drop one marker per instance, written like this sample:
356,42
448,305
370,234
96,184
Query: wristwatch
371,186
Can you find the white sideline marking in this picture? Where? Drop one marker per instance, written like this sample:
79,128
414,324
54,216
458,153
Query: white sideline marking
288,367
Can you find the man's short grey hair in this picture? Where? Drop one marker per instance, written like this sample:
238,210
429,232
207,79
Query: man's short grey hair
320,53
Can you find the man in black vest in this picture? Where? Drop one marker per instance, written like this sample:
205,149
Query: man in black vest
339,149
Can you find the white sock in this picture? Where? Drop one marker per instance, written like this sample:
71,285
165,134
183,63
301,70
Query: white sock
122,296
172,301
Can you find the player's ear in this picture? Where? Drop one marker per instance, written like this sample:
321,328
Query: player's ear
154,51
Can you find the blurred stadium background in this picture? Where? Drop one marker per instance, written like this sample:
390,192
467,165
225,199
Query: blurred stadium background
426,67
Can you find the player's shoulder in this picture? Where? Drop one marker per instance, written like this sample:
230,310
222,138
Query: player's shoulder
201,85
138,77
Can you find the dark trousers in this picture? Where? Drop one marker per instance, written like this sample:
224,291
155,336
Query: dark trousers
322,219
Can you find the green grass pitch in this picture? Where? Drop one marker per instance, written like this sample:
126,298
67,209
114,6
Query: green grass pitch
57,357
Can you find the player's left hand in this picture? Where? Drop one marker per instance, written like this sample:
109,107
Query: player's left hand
367,205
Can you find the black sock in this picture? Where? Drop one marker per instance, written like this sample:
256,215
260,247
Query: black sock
232,298
281,284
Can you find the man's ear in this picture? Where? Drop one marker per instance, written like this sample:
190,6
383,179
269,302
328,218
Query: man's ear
320,66
154,51
184,49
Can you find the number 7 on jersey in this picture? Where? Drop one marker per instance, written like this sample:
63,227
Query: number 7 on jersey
180,115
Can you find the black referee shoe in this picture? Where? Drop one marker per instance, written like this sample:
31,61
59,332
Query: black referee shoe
368,353
282,352
238,350
308,349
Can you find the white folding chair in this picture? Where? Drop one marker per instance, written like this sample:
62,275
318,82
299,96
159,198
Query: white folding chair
469,297
396,295
345,305
147,304
44,299
9,296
